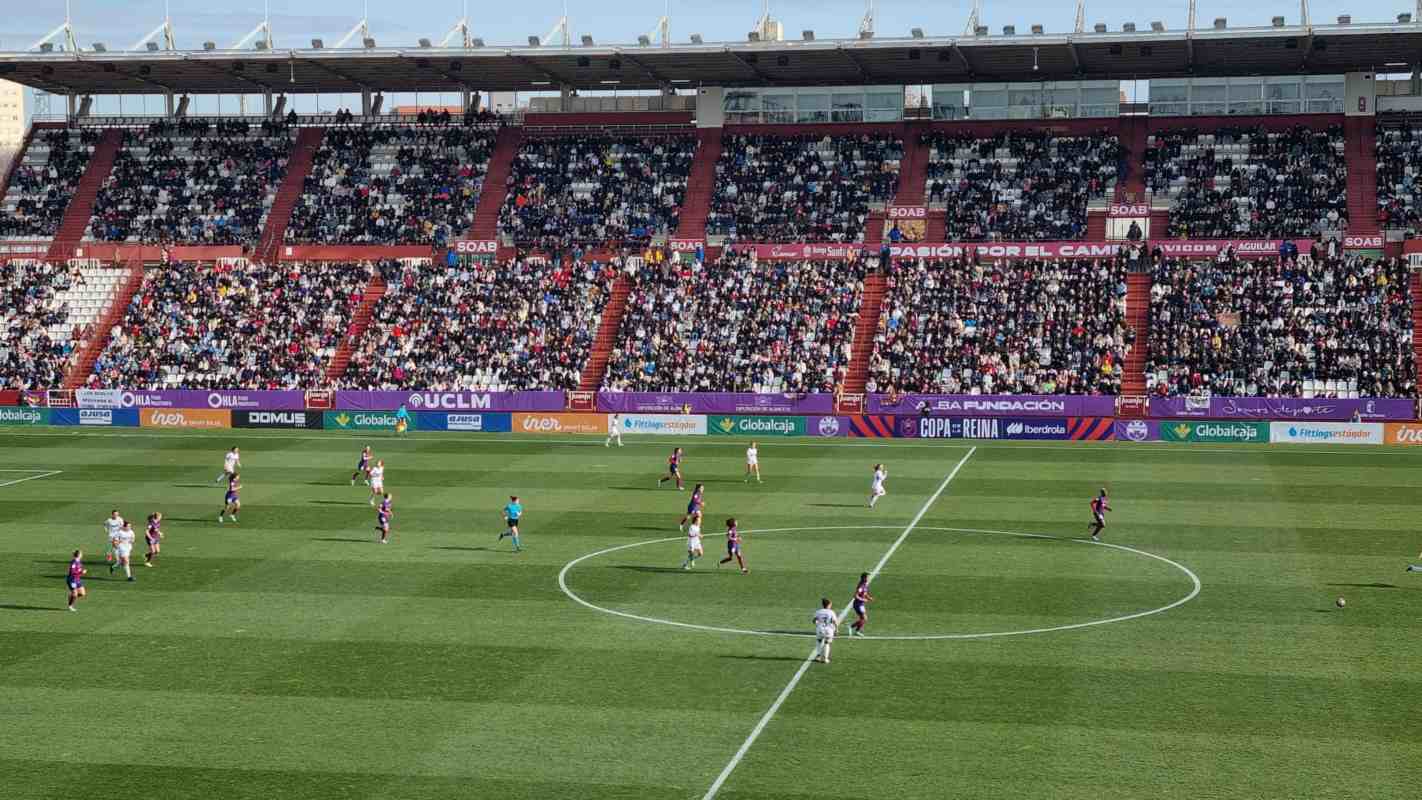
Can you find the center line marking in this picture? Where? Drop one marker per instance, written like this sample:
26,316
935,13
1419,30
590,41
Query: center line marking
805,665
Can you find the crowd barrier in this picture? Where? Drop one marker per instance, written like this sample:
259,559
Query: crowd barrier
761,426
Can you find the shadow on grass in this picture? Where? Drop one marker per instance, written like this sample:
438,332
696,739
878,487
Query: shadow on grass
1366,585
212,485
839,505
15,607
342,539
646,527
763,658
459,547
668,570
340,502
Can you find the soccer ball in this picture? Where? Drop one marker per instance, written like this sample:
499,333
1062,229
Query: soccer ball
1340,602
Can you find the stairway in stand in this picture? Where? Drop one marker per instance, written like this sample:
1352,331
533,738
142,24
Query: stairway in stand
81,205
1159,224
491,196
298,166
607,332
360,320
1133,142
93,347
700,186
1360,133
1138,317
913,170
874,231
937,228
871,306
1095,225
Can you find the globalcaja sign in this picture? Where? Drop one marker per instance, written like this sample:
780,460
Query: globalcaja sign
1326,432
755,426
363,421
24,416
297,420
490,422
982,428
1195,431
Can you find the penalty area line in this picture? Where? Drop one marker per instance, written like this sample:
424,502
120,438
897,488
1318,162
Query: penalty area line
43,474
809,659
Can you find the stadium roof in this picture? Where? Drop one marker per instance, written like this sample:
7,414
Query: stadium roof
1282,50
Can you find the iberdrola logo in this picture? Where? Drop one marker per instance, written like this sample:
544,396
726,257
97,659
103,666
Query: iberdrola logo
1182,430
344,420
726,424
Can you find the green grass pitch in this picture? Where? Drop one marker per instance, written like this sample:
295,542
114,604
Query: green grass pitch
291,656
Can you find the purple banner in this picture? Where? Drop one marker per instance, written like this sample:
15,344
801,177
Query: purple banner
1137,430
252,399
827,426
714,403
1314,408
449,401
998,405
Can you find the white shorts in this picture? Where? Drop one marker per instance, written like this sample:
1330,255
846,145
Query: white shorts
693,543
824,633
123,550
377,486
877,490
751,462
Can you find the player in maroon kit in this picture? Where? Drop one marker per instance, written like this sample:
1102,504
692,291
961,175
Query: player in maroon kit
382,519
75,579
154,537
673,470
733,546
860,605
1099,507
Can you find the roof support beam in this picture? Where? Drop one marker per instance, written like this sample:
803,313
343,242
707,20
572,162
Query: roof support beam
652,73
541,70
963,55
759,73
339,74
858,65
1075,56
145,81
1307,48
227,73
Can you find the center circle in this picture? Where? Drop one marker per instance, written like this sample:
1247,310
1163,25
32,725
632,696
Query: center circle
1194,586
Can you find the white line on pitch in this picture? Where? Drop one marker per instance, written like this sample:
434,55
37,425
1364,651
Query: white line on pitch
809,659
49,474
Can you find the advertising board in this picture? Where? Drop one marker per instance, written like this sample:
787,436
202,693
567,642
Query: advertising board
755,426
364,420
665,424
14,416
191,418
561,423
483,422
1183,430
295,420
1326,432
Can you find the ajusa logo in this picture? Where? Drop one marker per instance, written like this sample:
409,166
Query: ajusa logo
92,416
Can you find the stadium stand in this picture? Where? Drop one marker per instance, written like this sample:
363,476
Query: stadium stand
738,325
393,184
1024,327
807,187
502,326
589,189
44,181
1336,327
1019,185
1399,161
236,326
46,314
1249,182
192,181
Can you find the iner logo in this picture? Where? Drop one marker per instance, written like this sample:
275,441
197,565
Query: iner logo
541,425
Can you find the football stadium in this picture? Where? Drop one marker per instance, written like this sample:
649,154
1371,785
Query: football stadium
1011,411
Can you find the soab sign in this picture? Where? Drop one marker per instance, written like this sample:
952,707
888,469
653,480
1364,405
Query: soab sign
755,426
1196,431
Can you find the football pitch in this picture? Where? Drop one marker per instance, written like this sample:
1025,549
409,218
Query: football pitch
1195,653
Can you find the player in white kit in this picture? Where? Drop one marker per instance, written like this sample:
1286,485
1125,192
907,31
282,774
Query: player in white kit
231,462
693,542
826,622
614,430
123,548
112,526
377,481
752,463
876,489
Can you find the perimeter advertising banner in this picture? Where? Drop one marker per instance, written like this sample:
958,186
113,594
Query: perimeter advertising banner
95,417
1028,428
24,416
1326,432
485,422
290,420
1181,430
1003,250
1208,248
1137,430
714,403
1263,408
191,398
872,426
194,418
1402,433
364,420
449,401
564,423
664,424
991,405
755,426
827,426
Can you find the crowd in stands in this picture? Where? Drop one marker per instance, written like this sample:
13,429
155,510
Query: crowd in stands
565,190
41,193
193,181
738,325
483,327
1399,160
31,356
1008,327
393,184
1337,326
801,188
1249,182
1019,185
228,326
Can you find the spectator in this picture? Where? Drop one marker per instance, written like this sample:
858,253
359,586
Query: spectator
1399,158
34,204
34,352
1279,328
801,188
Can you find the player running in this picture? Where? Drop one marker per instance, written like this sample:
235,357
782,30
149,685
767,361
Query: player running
231,463
377,481
694,505
1099,507
382,519
112,526
123,549
75,579
673,470
752,463
693,542
153,537
513,512
826,623
614,430
362,469
733,546
876,488
862,598
232,501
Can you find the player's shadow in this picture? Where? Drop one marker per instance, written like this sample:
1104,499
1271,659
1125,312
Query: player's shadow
17,607
646,528
838,505
1366,585
668,570
636,488
340,539
340,503
460,547
764,658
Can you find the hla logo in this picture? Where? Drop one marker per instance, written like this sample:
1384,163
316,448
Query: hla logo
726,424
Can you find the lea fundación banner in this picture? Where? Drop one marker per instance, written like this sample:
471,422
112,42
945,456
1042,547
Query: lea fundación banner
756,426
1181,430
1326,432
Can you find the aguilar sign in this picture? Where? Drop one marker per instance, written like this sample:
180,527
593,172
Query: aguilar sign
1203,248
